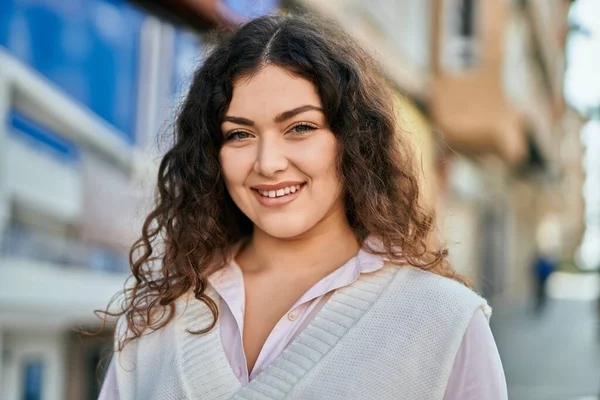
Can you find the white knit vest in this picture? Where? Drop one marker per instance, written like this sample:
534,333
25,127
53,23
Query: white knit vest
393,334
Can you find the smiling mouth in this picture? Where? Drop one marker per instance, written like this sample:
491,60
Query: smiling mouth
272,194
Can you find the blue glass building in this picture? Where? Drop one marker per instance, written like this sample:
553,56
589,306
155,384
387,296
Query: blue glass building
86,87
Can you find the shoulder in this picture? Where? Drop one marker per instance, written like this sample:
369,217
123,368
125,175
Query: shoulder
183,306
156,346
433,293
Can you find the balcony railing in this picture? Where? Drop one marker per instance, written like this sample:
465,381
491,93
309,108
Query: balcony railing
61,251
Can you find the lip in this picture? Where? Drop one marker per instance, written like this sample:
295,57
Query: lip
277,201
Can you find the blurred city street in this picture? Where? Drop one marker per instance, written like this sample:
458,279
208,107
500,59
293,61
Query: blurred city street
552,356
500,100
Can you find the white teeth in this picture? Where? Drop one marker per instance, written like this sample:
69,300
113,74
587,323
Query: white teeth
279,192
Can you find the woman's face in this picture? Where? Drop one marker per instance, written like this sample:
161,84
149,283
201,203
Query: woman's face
279,156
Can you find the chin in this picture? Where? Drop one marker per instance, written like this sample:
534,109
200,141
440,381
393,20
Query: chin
288,230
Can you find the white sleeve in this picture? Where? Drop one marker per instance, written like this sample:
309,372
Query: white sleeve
110,391
477,373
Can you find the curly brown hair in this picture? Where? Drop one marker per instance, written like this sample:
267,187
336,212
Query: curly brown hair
194,222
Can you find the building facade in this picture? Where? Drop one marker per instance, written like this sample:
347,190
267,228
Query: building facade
497,97
487,77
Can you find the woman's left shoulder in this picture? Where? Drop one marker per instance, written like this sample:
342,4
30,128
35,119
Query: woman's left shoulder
434,291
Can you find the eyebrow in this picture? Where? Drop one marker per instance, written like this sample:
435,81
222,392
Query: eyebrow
284,116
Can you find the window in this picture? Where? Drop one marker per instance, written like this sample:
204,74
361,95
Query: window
460,42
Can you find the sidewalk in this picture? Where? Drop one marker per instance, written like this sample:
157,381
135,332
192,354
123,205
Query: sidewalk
553,356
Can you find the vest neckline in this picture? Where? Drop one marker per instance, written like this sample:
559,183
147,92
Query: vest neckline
206,371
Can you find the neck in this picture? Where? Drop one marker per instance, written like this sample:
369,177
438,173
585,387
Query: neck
326,246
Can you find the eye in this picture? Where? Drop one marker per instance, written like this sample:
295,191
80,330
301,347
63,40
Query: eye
302,128
237,136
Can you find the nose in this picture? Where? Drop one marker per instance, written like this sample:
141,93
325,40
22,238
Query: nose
271,157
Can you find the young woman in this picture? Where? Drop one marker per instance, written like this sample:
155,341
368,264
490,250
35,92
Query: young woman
288,254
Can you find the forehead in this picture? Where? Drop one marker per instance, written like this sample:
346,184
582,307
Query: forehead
269,92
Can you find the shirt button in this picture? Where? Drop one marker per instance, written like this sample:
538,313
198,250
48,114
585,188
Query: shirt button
292,316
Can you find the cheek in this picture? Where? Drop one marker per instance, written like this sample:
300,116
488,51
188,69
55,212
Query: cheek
322,159
318,160
233,165
234,176
329,166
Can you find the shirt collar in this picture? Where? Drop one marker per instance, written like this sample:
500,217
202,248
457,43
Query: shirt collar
228,282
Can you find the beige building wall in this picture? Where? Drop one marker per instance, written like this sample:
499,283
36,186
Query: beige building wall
469,105
487,110
414,125
380,26
572,179
479,115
